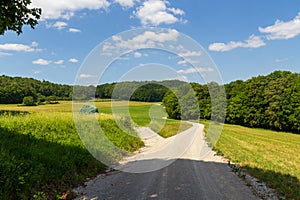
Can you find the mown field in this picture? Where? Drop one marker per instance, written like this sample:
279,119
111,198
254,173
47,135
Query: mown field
42,155
271,156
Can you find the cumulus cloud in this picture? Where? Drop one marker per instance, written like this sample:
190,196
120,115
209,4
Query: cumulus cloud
86,76
281,60
58,25
137,54
34,44
156,12
73,60
37,71
65,9
19,47
180,78
187,61
74,30
147,39
182,62
5,54
282,30
188,53
125,3
252,42
41,61
195,70
59,62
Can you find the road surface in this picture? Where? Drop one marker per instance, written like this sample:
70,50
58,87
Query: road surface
166,170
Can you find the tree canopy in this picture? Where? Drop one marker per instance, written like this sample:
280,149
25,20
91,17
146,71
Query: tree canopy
271,102
16,13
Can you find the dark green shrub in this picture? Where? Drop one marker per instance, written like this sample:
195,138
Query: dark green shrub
88,109
29,101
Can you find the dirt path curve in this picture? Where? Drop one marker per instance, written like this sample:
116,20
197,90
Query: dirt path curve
182,171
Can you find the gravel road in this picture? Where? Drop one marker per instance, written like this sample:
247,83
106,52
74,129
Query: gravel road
180,167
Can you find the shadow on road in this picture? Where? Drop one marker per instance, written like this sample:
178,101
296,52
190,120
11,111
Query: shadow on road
183,179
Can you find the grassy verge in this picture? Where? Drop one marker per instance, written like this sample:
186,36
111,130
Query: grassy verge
41,154
273,157
171,127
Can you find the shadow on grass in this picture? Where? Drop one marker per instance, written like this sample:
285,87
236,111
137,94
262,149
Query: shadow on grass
29,166
286,185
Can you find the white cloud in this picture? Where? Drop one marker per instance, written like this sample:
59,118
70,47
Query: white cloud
37,71
34,44
125,3
188,53
137,54
123,58
73,60
58,25
180,78
17,47
41,61
281,60
116,38
282,30
187,61
74,30
176,11
59,62
182,62
156,12
5,54
195,70
65,9
252,42
147,39
86,76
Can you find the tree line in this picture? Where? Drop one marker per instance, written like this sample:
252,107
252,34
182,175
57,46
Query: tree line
14,89
271,102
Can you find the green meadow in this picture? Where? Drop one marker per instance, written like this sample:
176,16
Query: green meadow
273,157
42,155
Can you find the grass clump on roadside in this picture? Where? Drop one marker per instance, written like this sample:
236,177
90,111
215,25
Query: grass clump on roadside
41,154
273,157
170,128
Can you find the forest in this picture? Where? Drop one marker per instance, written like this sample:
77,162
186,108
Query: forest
14,89
271,101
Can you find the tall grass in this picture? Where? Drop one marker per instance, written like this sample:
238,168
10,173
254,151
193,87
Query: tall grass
42,155
42,152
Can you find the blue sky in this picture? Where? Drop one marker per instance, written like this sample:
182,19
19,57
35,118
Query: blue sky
243,38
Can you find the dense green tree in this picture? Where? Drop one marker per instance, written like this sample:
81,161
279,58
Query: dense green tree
172,106
28,101
16,13
14,89
181,103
